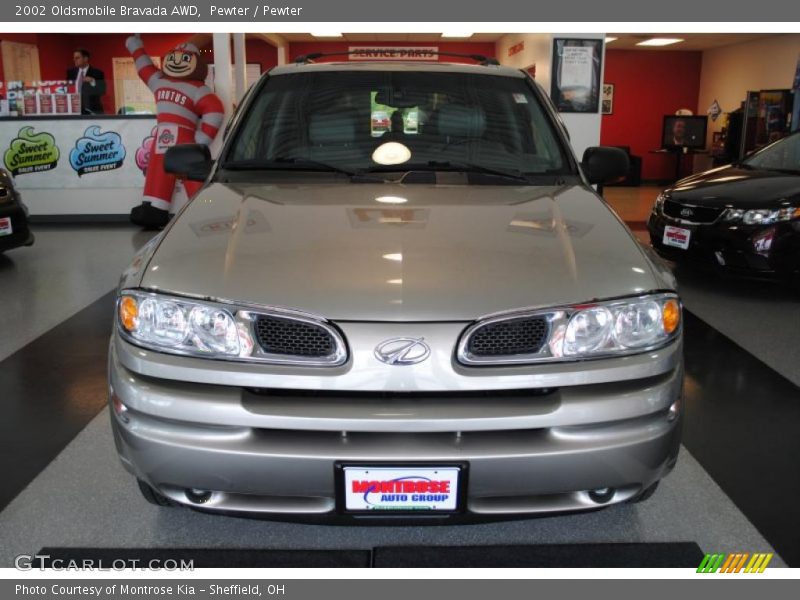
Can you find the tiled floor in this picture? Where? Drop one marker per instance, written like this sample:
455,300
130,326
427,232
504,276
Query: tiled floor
71,267
67,268
632,204
762,317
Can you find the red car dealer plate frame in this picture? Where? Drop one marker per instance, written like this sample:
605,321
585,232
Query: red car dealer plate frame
400,488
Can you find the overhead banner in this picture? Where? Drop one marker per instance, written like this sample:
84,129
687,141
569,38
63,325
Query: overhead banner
77,153
393,53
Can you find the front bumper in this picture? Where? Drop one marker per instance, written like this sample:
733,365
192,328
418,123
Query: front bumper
21,234
273,453
768,251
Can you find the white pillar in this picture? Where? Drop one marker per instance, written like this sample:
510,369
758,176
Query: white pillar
223,81
283,54
239,66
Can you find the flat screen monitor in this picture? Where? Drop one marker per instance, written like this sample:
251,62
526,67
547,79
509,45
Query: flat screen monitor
679,132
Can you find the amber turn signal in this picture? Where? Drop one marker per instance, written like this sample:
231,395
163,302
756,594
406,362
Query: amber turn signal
671,314
128,312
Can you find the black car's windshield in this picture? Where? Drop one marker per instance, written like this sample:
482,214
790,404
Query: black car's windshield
783,156
358,122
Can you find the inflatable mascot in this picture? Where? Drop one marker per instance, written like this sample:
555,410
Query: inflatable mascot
187,112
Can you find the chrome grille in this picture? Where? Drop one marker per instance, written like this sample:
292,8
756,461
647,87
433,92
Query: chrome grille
693,214
524,335
277,335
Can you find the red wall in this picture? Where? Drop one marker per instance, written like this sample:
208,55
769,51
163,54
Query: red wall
485,48
648,85
55,52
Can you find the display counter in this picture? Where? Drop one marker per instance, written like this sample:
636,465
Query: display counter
78,166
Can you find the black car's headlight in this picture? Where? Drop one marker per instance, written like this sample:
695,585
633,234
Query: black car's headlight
762,216
659,203
578,332
5,194
177,325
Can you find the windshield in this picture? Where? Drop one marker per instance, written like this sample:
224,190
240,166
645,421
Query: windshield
783,155
398,121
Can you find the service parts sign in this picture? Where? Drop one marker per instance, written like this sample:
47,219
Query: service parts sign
76,153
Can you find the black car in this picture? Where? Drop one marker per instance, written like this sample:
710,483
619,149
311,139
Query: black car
14,229
743,218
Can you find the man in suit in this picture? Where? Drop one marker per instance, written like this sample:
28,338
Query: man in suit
89,81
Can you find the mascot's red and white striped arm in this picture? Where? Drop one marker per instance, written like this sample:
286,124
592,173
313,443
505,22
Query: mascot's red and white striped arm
187,111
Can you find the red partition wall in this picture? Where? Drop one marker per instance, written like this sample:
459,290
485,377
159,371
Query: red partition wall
648,85
484,48
55,52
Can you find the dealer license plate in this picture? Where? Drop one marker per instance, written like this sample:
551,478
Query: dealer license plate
397,489
5,226
677,237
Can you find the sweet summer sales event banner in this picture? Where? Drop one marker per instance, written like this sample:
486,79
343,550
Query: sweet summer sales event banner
75,153
447,11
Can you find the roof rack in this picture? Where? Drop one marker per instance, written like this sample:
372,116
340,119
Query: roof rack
486,61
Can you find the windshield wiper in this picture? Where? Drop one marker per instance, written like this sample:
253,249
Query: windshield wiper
290,163
779,170
446,165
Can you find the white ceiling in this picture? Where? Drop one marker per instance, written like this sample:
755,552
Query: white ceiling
391,37
692,41
625,41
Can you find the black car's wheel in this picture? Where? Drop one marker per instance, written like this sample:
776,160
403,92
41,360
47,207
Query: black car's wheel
644,494
152,496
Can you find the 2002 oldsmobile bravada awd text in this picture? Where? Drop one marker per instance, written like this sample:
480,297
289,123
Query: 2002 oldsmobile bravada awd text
432,318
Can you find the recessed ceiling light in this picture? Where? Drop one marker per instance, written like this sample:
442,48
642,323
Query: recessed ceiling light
395,281
319,34
610,38
395,256
659,42
456,34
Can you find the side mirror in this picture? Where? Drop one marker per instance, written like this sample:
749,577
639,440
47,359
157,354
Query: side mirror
603,164
189,161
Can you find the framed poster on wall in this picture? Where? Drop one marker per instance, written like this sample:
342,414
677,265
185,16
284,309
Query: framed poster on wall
607,102
576,68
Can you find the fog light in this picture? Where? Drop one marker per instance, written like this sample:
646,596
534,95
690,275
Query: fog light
602,495
120,409
198,496
674,410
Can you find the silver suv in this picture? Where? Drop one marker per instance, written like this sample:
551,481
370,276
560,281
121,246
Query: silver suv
434,319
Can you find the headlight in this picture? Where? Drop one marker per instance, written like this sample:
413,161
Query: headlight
762,216
213,330
584,331
621,327
659,204
178,325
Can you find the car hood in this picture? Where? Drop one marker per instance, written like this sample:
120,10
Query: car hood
385,252
736,187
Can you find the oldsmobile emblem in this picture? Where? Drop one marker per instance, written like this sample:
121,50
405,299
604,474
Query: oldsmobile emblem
402,351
